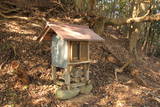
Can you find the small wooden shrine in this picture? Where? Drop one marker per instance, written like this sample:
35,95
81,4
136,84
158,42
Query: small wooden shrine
70,57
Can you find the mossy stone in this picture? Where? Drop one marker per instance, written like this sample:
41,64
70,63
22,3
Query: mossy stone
67,94
86,89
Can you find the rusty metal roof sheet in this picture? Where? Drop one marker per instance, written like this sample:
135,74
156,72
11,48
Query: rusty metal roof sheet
74,32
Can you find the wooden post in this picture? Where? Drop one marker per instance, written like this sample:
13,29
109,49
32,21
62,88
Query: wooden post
87,73
71,46
88,52
53,72
67,77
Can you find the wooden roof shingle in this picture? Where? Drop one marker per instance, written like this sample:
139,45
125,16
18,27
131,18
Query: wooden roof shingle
71,32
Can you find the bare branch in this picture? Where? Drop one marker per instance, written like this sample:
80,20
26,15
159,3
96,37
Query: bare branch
121,21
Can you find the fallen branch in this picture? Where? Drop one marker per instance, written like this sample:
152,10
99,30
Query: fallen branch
10,10
8,3
20,17
13,17
157,99
153,93
3,64
60,4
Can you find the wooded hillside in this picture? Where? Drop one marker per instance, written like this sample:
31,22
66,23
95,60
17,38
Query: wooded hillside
126,72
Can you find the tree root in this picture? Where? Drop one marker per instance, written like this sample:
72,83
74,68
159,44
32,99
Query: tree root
122,68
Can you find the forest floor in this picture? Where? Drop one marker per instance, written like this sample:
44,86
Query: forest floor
138,87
